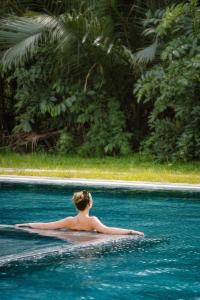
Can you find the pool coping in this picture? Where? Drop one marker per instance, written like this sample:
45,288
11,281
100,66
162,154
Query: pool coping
116,184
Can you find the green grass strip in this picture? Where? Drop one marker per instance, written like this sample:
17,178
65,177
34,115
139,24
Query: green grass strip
134,167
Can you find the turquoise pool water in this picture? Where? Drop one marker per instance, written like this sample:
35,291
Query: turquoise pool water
165,265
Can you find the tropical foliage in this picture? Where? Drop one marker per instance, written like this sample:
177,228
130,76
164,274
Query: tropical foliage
69,69
173,85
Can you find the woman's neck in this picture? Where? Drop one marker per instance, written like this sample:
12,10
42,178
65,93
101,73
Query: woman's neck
84,213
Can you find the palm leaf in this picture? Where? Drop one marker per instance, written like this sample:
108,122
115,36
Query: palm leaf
22,36
147,54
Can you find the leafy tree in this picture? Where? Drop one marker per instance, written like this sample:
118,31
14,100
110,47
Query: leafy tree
172,86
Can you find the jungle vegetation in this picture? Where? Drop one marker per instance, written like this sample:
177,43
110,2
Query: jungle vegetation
101,77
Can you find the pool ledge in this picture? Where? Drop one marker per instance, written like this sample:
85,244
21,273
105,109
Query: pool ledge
119,184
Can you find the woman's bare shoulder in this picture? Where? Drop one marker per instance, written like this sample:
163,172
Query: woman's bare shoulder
69,219
93,218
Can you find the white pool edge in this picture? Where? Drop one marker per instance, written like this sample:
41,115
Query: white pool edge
119,184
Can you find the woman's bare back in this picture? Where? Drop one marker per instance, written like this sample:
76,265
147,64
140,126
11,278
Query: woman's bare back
80,223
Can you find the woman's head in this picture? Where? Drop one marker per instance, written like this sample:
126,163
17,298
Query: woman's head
82,200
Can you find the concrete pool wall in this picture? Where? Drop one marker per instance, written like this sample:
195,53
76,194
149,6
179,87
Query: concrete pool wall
117,184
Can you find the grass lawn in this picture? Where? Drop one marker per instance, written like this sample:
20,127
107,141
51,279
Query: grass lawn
134,167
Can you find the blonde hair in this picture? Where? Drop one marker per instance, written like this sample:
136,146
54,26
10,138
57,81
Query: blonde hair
81,199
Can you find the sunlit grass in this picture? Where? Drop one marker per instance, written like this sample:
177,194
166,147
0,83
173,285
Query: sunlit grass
134,167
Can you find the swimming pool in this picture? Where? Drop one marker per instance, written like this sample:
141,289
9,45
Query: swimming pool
165,265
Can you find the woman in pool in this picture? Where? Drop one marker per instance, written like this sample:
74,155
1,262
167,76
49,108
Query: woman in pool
82,221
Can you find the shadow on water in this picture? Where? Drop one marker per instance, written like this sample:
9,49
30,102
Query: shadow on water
10,265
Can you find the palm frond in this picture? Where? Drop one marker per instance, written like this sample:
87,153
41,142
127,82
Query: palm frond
21,36
21,52
147,54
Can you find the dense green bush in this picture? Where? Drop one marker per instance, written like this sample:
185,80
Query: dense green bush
65,143
173,86
61,116
106,127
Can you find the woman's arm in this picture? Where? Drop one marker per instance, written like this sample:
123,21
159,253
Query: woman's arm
64,223
100,227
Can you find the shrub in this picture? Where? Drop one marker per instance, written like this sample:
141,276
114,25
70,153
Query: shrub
173,87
